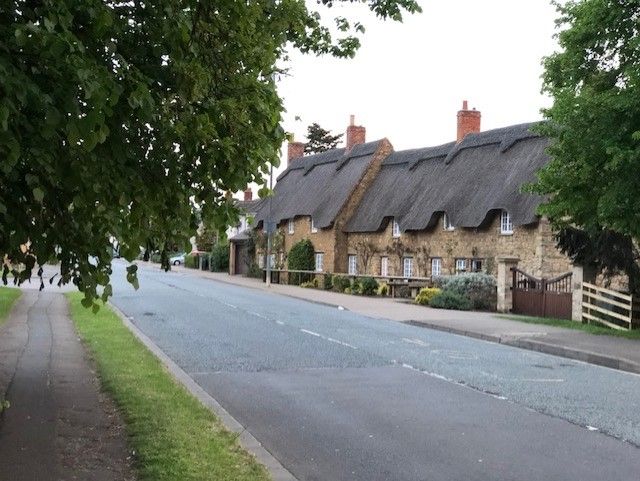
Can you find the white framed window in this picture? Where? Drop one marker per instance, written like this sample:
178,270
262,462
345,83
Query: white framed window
261,261
407,267
314,229
290,226
461,265
353,265
506,224
384,266
436,266
476,265
272,261
446,223
319,261
395,228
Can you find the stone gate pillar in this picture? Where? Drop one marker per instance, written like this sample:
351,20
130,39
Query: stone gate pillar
505,282
580,274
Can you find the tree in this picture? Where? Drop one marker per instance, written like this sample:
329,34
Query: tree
594,124
320,140
366,249
301,258
118,120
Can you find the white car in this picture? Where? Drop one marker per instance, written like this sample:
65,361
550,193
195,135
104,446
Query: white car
177,260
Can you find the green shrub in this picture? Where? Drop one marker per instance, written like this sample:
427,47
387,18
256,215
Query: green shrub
254,271
426,294
219,257
191,261
301,258
450,300
340,284
347,290
383,289
307,284
155,257
356,288
327,282
477,287
369,286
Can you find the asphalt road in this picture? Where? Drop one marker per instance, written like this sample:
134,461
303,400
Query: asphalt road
338,396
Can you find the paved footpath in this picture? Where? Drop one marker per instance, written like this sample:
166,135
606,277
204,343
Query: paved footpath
59,426
609,351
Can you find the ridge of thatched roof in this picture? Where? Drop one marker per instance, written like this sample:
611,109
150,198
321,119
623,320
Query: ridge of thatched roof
482,174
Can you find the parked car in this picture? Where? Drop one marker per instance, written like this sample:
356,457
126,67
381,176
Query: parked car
177,260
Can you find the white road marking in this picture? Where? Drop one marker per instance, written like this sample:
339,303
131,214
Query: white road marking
330,339
591,428
539,380
280,322
310,332
415,341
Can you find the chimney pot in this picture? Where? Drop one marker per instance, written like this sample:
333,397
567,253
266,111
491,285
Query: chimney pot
468,121
248,194
356,134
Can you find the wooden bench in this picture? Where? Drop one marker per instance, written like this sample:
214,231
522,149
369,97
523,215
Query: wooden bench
415,286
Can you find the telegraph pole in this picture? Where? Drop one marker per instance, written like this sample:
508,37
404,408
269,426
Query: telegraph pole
269,228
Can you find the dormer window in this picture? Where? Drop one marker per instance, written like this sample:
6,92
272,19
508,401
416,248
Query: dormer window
446,223
290,226
314,228
506,224
395,228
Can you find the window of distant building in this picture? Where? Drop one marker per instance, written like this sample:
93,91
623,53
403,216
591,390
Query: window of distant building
319,261
353,265
384,266
446,223
314,229
407,267
476,265
395,228
436,266
506,224
461,265
290,226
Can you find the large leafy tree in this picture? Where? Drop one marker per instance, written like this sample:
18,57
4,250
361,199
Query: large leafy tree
593,179
320,140
118,120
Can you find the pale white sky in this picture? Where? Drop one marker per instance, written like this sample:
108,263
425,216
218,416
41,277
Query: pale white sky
408,79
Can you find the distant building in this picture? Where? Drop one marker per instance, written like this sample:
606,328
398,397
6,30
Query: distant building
423,212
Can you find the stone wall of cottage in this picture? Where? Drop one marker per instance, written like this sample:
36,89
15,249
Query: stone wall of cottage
532,244
323,240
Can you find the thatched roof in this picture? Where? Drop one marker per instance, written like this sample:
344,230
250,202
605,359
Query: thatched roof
318,185
468,181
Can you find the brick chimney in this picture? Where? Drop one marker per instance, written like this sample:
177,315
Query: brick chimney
468,121
294,151
356,134
248,194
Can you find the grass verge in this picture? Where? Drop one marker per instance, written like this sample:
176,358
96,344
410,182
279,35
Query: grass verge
590,328
173,435
8,296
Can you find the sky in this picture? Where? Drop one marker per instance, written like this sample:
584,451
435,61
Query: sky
408,80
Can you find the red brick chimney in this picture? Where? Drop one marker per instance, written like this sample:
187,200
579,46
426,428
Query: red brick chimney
356,134
248,194
294,151
468,121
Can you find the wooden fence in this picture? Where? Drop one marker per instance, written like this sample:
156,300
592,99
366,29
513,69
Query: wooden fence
610,308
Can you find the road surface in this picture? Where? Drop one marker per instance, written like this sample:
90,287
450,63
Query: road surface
338,396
